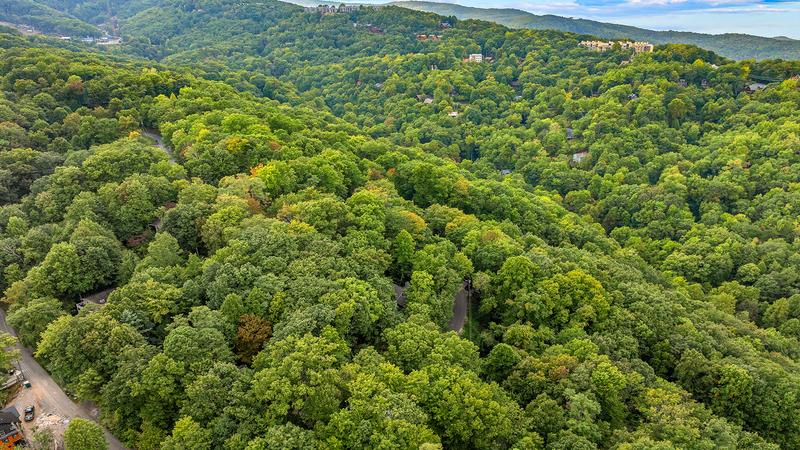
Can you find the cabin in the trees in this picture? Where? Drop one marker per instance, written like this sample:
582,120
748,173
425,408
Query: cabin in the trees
10,428
98,298
579,157
475,58
400,294
754,87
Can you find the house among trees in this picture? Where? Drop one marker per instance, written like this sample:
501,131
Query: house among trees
10,428
400,294
579,157
98,298
475,58
754,87
428,37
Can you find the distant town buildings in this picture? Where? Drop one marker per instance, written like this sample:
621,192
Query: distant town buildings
105,40
27,30
340,9
428,37
604,46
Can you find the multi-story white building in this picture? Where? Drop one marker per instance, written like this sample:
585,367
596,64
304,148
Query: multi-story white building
604,46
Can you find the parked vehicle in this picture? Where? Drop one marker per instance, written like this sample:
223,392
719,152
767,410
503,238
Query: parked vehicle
29,413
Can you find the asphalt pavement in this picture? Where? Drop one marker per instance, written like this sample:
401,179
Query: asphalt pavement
460,307
45,394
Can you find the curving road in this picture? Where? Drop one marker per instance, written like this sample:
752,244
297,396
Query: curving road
45,393
460,308
154,135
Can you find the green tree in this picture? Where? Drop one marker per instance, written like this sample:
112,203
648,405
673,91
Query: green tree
187,435
32,319
82,434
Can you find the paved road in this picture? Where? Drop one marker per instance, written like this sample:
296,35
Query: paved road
45,394
154,135
460,307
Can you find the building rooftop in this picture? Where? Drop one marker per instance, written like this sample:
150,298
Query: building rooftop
9,415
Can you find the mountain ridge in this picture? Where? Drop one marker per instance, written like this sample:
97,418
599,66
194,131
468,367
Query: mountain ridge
737,46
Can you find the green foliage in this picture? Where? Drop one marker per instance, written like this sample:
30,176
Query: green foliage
641,295
84,435
32,319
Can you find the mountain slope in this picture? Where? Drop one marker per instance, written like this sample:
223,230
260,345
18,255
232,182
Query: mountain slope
44,18
731,45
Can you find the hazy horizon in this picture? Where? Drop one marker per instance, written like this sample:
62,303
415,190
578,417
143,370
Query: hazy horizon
769,18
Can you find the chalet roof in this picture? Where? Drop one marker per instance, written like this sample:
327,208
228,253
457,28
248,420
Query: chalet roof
9,415
578,157
400,293
99,296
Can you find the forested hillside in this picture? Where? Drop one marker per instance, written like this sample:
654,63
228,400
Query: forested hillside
731,45
44,18
286,271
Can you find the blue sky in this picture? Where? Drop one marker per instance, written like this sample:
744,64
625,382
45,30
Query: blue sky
759,17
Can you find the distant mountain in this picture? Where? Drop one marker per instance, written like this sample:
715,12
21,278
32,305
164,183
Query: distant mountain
44,18
730,45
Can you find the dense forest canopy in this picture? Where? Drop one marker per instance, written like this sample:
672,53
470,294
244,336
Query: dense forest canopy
285,271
